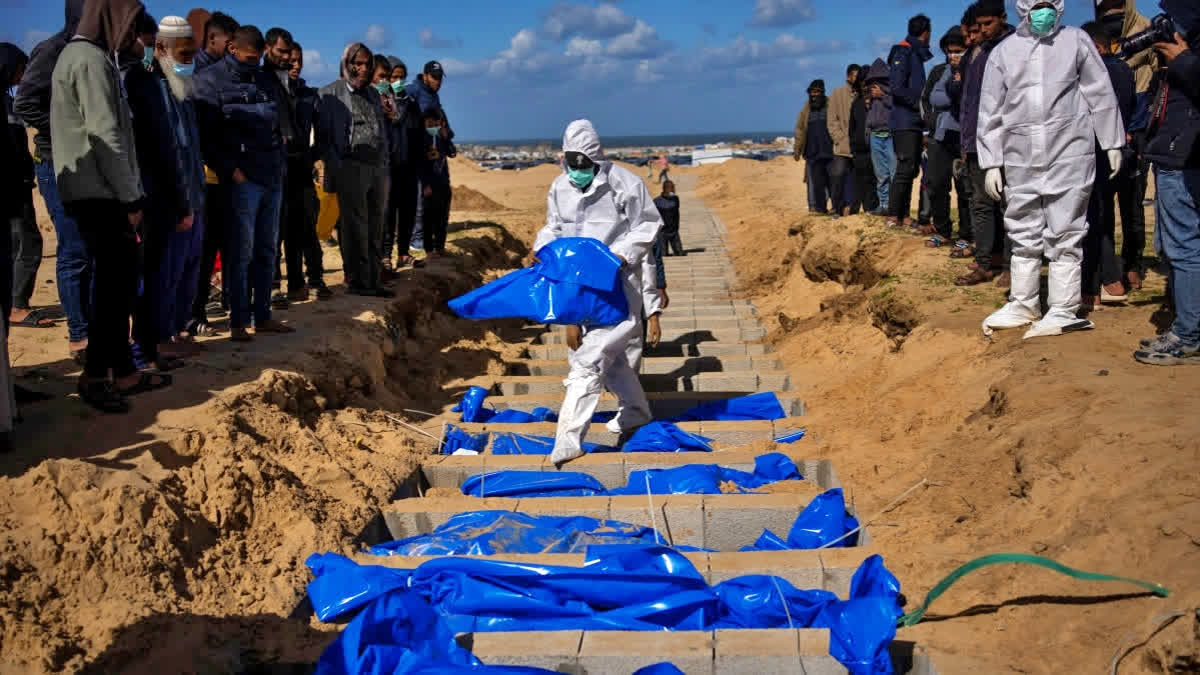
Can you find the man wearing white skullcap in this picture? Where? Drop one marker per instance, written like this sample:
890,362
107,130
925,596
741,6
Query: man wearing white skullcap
168,148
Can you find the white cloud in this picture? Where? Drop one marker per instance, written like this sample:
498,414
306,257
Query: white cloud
429,40
781,13
377,36
641,42
316,66
584,47
565,20
522,44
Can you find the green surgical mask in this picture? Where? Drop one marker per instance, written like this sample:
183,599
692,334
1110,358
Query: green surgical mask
432,131
1042,20
382,87
398,86
581,178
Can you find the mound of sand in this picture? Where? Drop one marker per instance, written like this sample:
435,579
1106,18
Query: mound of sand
465,199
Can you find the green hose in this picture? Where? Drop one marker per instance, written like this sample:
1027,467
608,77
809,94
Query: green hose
914,617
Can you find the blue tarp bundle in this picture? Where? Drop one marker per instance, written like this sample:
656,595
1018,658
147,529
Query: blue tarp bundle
521,444
691,479
471,406
575,283
761,406
411,616
457,439
822,521
665,437
496,532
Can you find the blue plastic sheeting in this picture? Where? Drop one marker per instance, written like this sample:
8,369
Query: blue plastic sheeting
791,436
521,444
665,437
691,479
761,406
496,532
533,484
471,406
521,417
822,521
619,587
576,283
660,669
457,439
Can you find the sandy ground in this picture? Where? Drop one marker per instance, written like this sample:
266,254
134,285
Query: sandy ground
174,538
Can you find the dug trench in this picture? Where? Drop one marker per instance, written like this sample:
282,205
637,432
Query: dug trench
185,552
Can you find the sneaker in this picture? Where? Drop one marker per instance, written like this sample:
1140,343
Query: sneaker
215,310
298,295
323,291
1168,350
279,301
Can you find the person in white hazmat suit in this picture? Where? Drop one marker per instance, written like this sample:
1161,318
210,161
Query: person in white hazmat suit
593,198
1046,100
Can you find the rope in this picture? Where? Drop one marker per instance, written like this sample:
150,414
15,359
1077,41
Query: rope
1159,622
890,505
914,617
650,500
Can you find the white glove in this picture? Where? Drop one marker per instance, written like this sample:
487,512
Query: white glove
1114,161
993,184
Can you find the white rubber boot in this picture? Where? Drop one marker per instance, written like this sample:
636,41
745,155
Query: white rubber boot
578,406
1066,282
1024,306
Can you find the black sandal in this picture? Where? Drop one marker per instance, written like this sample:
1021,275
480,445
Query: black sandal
166,364
103,396
34,319
147,382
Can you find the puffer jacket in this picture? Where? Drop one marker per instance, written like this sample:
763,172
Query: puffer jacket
906,76
239,122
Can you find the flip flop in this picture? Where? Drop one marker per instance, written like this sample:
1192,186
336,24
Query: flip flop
103,396
935,241
34,319
147,382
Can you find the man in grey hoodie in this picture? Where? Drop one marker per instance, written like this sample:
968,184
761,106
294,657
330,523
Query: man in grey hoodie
91,133
879,110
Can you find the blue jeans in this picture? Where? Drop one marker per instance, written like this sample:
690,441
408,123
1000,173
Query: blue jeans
248,261
1177,237
73,265
883,158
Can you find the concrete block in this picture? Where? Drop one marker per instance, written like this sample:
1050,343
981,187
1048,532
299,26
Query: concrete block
734,434
679,518
741,382
774,381
838,566
439,475
557,651
629,651
606,467
590,507
734,521
801,569
753,333
410,517
515,385
775,652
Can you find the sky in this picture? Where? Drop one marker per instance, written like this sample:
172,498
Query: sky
524,68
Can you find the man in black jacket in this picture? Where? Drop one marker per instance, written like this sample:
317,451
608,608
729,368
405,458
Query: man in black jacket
300,196
1174,150
72,262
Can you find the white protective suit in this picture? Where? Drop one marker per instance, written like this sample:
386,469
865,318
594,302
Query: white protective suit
1044,103
616,209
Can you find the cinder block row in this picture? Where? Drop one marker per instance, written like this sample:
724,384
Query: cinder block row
553,352
761,652
612,469
723,434
738,381
660,365
681,336
822,569
664,404
717,522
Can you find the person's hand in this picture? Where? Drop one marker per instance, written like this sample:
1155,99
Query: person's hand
993,184
574,338
531,259
238,176
958,76
185,225
135,218
795,157
624,262
1115,158
428,191
653,331
666,299
1169,50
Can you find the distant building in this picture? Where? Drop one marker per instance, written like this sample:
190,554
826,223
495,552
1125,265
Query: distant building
717,156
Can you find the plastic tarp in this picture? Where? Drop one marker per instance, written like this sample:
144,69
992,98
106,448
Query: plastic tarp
508,443
521,417
576,282
761,406
665,437
790,436
496,532
691,479
456,439
471,406
619,587
822,521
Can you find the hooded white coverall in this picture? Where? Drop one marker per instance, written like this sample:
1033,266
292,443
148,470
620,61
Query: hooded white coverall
1044,103
616,209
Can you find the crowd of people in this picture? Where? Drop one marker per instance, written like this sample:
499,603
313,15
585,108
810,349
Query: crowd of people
1043,132
168,150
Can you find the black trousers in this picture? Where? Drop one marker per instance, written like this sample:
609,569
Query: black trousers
401,214
939,177
1101,265
298,227
216,224
818,181
908,161
436,218
864,181
113,248
837,179
669,241
26,253
992,246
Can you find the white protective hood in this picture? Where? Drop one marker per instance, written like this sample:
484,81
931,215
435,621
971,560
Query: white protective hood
1024,7
581,136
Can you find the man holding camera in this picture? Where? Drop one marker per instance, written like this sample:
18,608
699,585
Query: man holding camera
1173,147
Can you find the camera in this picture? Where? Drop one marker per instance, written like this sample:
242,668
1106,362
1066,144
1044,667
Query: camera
1162,29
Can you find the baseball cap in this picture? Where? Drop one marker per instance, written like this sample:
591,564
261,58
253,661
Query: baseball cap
434,69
